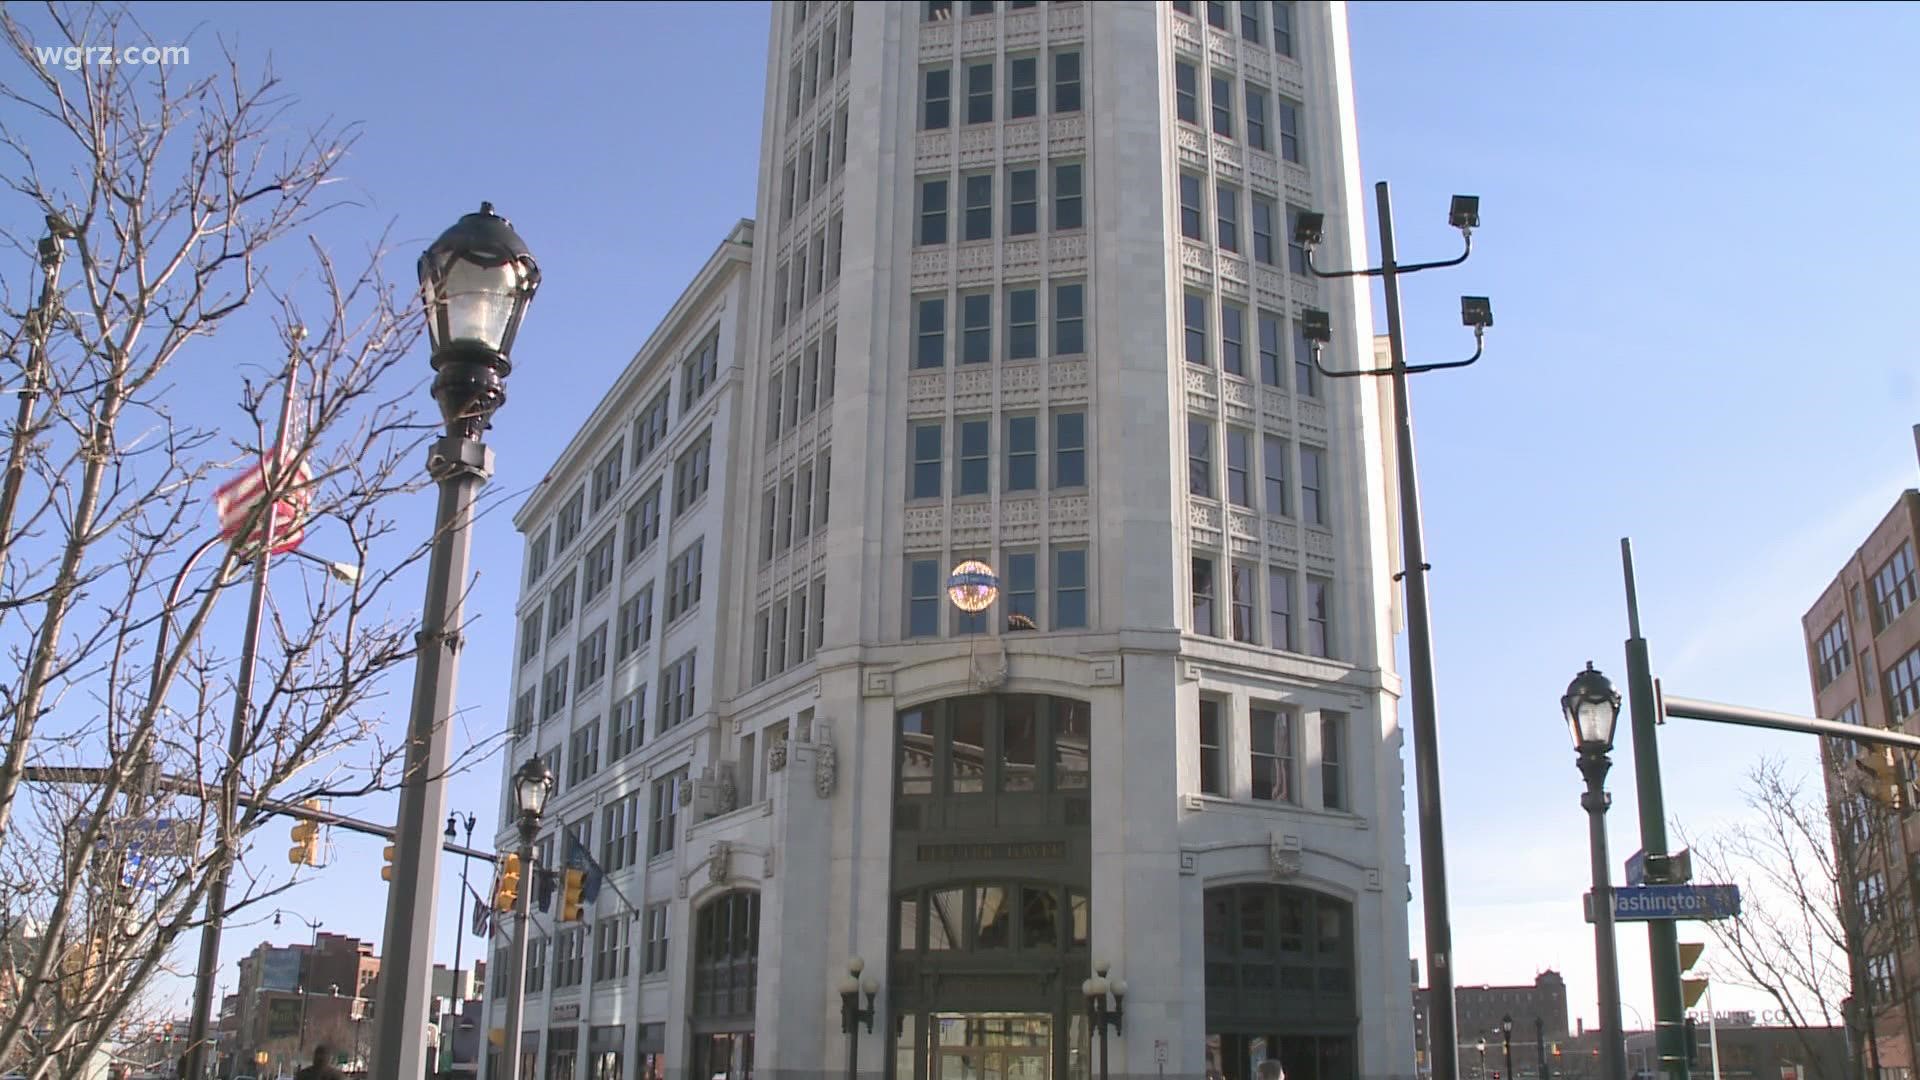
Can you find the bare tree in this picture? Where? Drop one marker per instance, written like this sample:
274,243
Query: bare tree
165,197
1806,928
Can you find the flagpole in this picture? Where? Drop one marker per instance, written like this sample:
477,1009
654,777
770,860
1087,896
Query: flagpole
201,1021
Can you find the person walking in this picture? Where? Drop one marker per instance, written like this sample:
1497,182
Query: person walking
322,1067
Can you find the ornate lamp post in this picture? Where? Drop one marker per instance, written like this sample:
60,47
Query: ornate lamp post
1506,1042
852,1015
476,282
1592,707
1101,1014
532,785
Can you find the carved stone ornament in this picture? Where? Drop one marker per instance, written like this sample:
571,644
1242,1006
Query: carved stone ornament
719,861
1284,861
726,795
686,791
777,757
826,766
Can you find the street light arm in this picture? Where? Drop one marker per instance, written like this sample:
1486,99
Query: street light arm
1380,271
1479,346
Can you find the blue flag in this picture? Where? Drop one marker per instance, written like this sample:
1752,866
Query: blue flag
578,858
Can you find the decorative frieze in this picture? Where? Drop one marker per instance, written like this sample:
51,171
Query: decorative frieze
973,388
1068,378
929,268
926,527
927,393
936,40
1022,29
1068,515
1020,258
1068,252
1022,140
1067,134
1065,22
1200,382
1019,386
978,35
932,150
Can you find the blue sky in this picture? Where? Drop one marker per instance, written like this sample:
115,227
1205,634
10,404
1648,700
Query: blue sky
1696,230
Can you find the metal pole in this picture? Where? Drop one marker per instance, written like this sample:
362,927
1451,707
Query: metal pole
40,327
853,1049
459,936
1100,1018
1442,1022
209,964
1605,951
461,465
1713,1033
1506,1047
517,962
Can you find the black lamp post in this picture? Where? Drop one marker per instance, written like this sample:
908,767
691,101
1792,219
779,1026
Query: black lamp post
1481,1045
852,1015
306,976
476,282
532,786
1592,707
1506,1042
459,926
1100,1014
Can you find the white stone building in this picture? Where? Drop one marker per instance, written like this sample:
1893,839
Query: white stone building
1022,272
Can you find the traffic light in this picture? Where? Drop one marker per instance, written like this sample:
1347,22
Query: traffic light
1693,1041
507,892
1883,783
386,872
572,909
306,845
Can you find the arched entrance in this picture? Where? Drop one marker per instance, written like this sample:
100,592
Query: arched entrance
726,969
1280,982
990,889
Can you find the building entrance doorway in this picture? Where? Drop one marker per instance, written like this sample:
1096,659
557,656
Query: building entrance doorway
990,1046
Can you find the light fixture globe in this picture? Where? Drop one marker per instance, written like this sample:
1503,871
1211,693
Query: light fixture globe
532,785
476,281
972,586
1591,707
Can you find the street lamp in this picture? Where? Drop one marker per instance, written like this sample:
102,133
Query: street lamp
476,281
532,786
1100,1014
1592,708
306,975
852,1015
1506,1042
1316,327
1480,1044
459,926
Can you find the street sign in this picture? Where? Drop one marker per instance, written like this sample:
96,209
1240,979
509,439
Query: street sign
1647,903
1637,868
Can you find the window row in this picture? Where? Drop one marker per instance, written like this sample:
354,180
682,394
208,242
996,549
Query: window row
939,11
813,74
1253,14
1267,348
937,90
796,507
972,338
1274,481
1835,651
808,274
796,388
1020,590
1893,587
815,166
1274,750
973,454
1023,917
1263,217
1004,743
1019,192
1269,122
1286,616
789,631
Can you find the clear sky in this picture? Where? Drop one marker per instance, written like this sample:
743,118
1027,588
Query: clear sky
1697,230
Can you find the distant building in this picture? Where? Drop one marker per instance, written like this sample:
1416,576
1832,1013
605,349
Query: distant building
1863,657
1747,1052
296,997
1480,1010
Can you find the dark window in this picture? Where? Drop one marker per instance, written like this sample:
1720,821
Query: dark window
1256,115
1274,473
1023,202
973,462
1263,215
1239,467
1283,27
1186,92
1213,774
691,473
1333,758
1233,339
1023,89
976,328
1280,609
938,11
1192,218
1023,324
726,959
936,98
1226,209
1217,14
980,93
923,598
1303,373
1893,587
1066,197
1319,617
1834,648
924,481
1313,508
1066,82
1250,20
916,750
1222,106
978,223
1270,753
1241,589
1069,588
1023,601
1023,453
1069,449
930,350
1069,319
1296,254
1204,591
1289,131
1196,329
933,212
1199,457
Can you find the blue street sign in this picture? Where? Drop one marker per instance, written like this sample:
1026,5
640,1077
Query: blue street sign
1650,902
1637,868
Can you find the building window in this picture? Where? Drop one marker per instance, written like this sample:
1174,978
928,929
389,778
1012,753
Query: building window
936,98
978,221
726,948
1192,223
1217,14
592,657
976,328
1313,509
1250,21
553,690
524,710
923,598
1283,27
699,371
627,725
635,622
530,635
1023,454
537,555
1069,319
1199,457
1226,210
1304,381
643,522
1241,586
1023,323
1263,216
1280,609
560,606
1023,600
1903,686
1023,202
664,819
536,966
1023,87
610,955
596,571
933,213
1289,131
1184,7
775,400
1069,449
690,473
1274,469
1270,356
1066,82
1069,587
1239,466
654,952
1320,617
973,463
650,427
583,753
1066,197
1213,773
1296,252
980,93
569,521
803,503
1270,753
683,580
930,350
1203,596
606,476
938,11
1836,652
1195,317
1186,93
924,481
1333,758
676,693
1233,339
1222,106
1893,587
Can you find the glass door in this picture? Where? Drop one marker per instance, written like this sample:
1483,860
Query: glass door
991,1046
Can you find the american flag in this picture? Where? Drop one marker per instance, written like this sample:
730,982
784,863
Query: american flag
237,499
